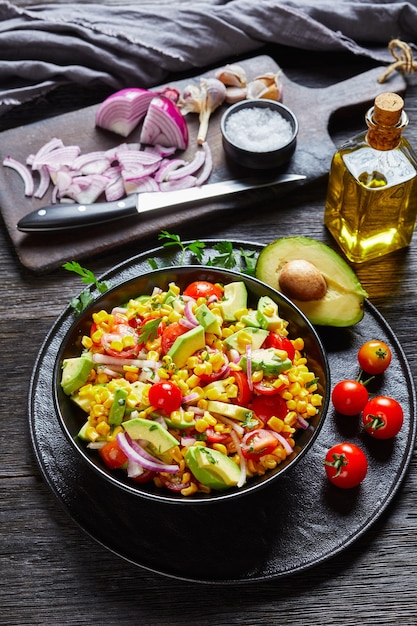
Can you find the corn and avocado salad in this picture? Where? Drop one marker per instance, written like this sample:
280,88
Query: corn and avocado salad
192,390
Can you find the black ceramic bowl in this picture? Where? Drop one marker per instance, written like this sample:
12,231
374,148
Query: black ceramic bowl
71,418
259,134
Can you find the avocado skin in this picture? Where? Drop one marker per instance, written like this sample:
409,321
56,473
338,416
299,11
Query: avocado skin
343,304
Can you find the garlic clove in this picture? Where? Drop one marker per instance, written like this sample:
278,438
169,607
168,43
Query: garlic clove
232,75
266,86
213,93
235,94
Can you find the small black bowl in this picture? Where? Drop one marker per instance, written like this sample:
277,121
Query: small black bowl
71,417
258,157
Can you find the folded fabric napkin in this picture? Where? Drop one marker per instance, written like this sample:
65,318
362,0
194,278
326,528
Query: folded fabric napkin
126,45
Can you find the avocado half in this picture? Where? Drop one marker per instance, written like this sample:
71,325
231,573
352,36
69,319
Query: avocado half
342,304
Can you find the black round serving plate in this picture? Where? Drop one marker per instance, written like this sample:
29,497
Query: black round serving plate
297,522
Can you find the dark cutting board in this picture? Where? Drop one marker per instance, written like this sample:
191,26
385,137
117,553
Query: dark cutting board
313,108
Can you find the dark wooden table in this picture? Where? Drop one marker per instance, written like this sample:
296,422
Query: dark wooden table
53,573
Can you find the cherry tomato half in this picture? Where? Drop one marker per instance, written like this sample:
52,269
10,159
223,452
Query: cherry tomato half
215,437
275,340
202,289
382,417
258,443
374,357
266,407
166,396
346,465
146,476
112,455
244,394
169,335
349,397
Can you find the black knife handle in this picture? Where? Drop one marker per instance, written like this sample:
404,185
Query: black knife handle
66,216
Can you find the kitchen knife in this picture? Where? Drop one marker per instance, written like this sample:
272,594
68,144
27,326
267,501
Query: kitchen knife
65,216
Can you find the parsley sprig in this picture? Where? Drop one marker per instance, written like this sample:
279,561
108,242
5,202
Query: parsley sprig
226,255
87,277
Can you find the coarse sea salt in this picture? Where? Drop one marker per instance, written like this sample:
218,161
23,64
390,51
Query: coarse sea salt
258,129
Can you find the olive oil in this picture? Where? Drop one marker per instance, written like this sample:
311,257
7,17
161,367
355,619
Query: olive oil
371,203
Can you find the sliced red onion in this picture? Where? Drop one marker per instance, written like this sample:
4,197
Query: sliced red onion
302,422
122,111
164,124
186,323
137,454
23,172
190,168
239,429
283,442
188,311
166,167
191,397
242,460
207,167
163,151
188,441
105,359
182,183
134,469
249,365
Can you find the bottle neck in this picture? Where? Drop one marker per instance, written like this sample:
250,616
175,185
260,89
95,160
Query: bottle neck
383,137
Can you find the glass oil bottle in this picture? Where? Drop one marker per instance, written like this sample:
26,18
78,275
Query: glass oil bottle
371,202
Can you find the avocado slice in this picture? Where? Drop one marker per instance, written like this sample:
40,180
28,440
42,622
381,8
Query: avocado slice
268,316
187,344
235,299
257,335
212,468
342,303
208,320
75,372
234,411
267,360
157,435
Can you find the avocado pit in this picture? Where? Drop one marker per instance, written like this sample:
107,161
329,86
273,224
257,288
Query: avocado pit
301,280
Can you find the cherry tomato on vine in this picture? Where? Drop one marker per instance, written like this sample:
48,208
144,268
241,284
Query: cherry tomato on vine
374,357
346,465
112,455
382,417
275,340
203,289
266,407
257,443
349,397
166,396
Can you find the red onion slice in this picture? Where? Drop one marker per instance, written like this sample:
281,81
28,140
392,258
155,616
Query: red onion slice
283,442
136,453
23,172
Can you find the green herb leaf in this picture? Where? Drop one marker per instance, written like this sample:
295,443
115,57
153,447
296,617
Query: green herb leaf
195,247
87,276
149,330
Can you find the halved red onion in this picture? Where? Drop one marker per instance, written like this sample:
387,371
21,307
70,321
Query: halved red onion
122,111
164,124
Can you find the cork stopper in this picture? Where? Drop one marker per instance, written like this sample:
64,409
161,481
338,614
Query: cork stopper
388,108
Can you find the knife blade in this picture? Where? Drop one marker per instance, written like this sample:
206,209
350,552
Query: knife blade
59,217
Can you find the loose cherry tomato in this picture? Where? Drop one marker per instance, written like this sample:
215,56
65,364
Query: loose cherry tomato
166,396
244,394
349,397
374,357
258,443
382,417
112,455
275,340
202,289
266,407
346,465
169,335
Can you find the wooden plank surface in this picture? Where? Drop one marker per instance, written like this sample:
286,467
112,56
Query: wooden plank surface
53,574
312,106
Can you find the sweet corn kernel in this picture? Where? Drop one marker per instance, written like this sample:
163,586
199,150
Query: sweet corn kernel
86,342
276,424
291,418
240,312
213,393
220,447
202,403
103,428
193,381
201,425
316,399
163,374
291,405
188,491
244,338
192,362
211,421
257,376
101,316
298,343
234,367
91,433
203,369
227,331
311,410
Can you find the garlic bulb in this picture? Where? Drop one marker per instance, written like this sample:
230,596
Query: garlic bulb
235,94
213,94
190,100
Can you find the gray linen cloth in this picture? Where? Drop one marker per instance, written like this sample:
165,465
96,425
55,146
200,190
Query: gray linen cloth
128,45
